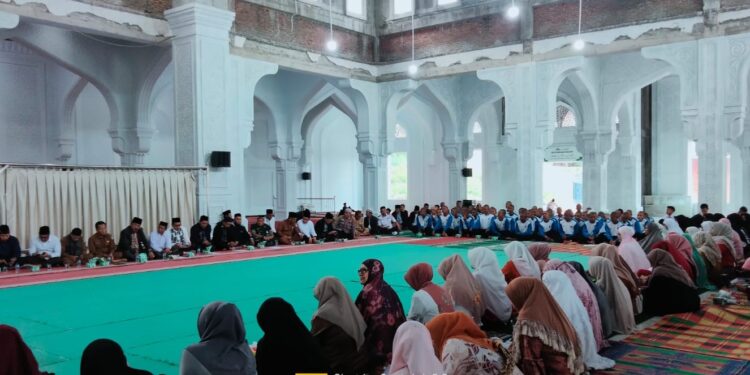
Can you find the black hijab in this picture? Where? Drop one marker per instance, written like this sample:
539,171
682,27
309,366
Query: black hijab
104,356
223,348
287,347
605,312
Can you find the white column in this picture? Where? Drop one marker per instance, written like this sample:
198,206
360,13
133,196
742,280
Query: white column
745,151
200,50
594,176
456,154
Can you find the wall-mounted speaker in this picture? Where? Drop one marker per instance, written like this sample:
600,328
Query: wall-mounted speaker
466,172
306,176
221,159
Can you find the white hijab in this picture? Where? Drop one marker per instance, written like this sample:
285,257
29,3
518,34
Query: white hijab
631,251
491,281
522,259
672,225
562,290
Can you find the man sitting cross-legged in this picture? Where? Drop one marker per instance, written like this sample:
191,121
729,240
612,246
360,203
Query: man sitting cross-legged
45,249
324,228
161,246
178,237
102,245
346,224
74,248
262,233
133,240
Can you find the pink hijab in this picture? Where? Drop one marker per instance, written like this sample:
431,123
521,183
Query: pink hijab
746,266
735,239
413,352
540,251
631,251
585,294
682,245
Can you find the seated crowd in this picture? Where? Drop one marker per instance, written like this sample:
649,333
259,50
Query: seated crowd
533,315
556,316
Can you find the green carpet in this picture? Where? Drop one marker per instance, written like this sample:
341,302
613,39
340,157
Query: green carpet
153,315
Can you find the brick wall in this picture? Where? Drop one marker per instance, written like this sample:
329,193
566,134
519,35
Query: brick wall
267,25
153,8
465,35
727,5
562,18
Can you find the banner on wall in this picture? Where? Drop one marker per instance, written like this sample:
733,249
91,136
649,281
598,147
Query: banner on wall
562,153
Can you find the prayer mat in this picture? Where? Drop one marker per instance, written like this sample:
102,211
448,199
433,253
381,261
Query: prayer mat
713,330
572,247
643,360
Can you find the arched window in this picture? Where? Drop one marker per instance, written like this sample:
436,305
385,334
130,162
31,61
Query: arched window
400,132
398,176
566,117
477,128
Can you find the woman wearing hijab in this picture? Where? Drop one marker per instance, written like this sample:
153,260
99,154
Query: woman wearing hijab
287,347
464,349
540,251
544,341
339,328
670,245
653,235
605,312
462,287
492,283
413,352
585,295
711,257
428,299
739,247
624,273
520,262
15,357
382,311
722,235
630,251
669,289
104,356
562,290
701,278
223,348
616,292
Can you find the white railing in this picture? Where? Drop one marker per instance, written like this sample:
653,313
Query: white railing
317,204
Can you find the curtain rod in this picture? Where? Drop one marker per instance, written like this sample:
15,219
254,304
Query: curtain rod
6,165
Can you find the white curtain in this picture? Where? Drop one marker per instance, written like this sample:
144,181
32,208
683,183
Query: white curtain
78,198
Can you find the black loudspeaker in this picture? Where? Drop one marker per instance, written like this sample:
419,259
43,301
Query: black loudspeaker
468,203
306,176
221,159
466,172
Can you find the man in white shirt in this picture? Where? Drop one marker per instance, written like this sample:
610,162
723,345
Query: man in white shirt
271,220
178,238
45,249
161,246
307,228
387,224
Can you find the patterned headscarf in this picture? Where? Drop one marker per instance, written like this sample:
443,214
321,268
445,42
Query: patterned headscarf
381,309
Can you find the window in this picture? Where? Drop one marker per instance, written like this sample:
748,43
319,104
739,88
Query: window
397,176
477,128
474,183
566,118
692,160
403,7
400,131
356,8
728,181
446,2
